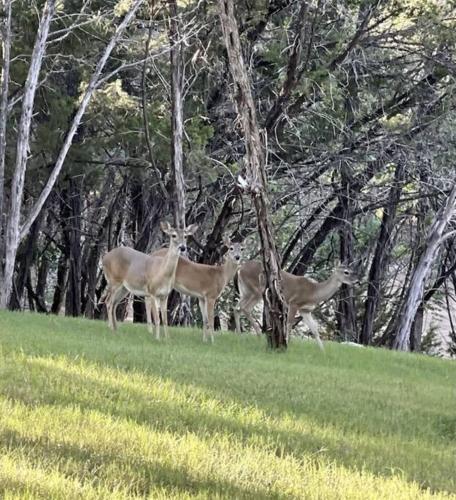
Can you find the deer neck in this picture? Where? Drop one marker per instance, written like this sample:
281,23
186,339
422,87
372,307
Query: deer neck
326,289
228,269
170,261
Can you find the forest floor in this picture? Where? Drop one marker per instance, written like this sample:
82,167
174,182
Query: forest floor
86,413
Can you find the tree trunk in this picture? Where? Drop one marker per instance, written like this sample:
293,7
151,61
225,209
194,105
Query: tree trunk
94,82
13,237
5,30
73,244
414,295
98,225
25,262
15,233
184,315
381,256
177,114
346,307
417,329
422,211
256,173
41,281
333,220
60,286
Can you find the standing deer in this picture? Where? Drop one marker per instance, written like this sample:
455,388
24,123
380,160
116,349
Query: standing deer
206,282
127,270
301,294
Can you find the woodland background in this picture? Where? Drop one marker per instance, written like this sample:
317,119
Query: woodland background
355,102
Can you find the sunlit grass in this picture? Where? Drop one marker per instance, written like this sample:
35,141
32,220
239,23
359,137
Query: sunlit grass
85,413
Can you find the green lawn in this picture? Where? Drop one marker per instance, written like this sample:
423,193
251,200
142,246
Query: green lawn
85,413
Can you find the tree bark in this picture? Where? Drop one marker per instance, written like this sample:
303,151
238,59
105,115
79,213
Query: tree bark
177,114
256,173
414,295
5,30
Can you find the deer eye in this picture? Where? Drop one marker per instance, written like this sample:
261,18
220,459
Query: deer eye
346,272
231,248
174,236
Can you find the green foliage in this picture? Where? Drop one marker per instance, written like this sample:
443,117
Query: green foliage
86,413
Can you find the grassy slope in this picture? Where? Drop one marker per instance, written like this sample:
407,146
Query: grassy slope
85,413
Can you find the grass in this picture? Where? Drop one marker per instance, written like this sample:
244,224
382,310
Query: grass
85,413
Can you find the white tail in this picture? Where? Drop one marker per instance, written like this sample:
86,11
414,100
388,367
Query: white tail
301,294
127,270
205,282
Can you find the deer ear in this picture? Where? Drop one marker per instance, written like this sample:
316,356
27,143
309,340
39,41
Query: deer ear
189,230
165,227
226,240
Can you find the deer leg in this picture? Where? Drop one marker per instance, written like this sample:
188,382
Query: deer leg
121,293
150,302
108,302
210,304
252,320
111,304
203,309
108,311
292,309
155,315
313,326
237,317
245,306
164,314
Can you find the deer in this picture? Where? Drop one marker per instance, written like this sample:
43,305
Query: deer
302,294
206,282
129,271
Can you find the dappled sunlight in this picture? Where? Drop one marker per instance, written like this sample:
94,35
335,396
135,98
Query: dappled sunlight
181,418
166,406
118,451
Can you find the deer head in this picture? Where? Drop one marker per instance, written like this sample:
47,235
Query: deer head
178,237
234,249
345,275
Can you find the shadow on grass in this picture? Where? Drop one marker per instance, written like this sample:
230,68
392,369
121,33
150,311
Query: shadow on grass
143,476
126,401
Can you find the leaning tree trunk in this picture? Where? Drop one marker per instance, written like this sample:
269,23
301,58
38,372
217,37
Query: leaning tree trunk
5,30
13,238
94,82
414,295
256,173
15,232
